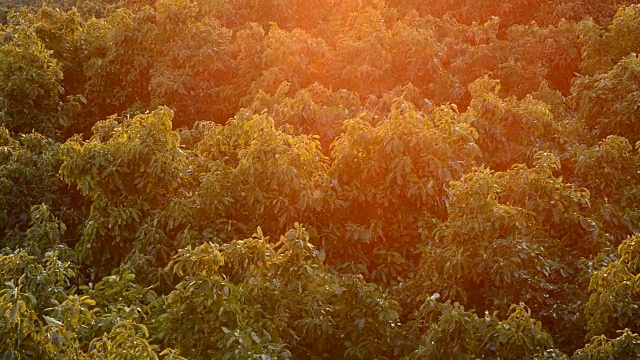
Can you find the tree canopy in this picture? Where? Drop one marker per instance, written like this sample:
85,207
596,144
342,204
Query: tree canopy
370,179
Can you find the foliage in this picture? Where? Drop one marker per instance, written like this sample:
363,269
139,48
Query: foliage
130,171
385,177
312,110
30,285
29,164
458,334
257,174
627,345
511,131
602,49
32,92
614,299
513,236
154,152
610,171
606,102
257,298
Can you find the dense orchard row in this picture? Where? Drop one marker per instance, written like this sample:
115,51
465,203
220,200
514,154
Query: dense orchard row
320,179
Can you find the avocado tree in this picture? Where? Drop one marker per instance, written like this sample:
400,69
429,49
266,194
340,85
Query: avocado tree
32,95
515,236
272,299
387,178
130,169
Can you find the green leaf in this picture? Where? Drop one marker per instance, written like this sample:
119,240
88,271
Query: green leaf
52,321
